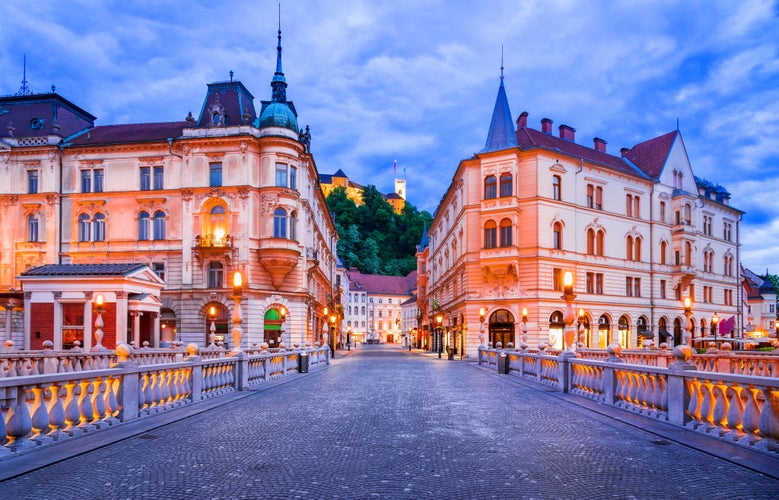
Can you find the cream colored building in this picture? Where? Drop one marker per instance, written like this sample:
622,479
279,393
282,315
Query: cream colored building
638,231
231,189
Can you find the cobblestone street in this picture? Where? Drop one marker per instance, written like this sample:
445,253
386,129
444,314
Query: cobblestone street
382,422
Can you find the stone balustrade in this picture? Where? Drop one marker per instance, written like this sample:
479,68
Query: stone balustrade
742,408
43,408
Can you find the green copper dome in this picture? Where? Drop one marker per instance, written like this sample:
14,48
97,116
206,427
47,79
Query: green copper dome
278,114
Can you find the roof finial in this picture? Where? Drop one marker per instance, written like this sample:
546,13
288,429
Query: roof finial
501,62
278,47
24,89
231,75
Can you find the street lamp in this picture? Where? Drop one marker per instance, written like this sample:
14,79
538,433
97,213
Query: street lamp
568,296
348,338
283,314
688,326
333,319
523,345
99,324
439,319
715,325
237,318
212,336
482,314
581,327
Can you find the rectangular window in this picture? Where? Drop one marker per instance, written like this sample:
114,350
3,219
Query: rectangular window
557,279
490,237
636,207
599,283
590,196
97,180
215,174
145,178
159,269
159,178
662,289
281,174
629,286
598,198
32,181
32,228
506,185
293,178
490,187
556,183
590,283
662,211
637,287
86,181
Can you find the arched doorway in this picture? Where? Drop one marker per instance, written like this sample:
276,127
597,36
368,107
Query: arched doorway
623,331
642,331
216,317
604,330
584,330
662,330
556,327
677,331
168,327
274,320
501,328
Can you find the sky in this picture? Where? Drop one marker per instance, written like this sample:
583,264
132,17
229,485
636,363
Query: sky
415,81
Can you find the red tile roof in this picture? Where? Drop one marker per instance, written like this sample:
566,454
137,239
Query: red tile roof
377,284
650,156
135,132
529,138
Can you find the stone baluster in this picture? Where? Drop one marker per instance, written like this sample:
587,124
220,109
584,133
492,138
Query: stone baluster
19,422
40,416
735,413
768,424
57,420
751,416
72,414
85,405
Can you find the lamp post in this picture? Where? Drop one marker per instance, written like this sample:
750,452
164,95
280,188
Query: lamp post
688,327
482,314
348,338
581,327
283,314
439,319
569,333
523,345
99,324
715,326
212,336
237,318
333,319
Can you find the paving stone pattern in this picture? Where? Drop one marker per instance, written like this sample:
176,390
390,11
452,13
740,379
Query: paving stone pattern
381,422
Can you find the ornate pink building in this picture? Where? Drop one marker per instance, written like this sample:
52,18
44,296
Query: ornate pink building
637,230
232,189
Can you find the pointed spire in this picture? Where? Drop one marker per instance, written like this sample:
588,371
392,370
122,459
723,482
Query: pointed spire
279,83
24,89
502,134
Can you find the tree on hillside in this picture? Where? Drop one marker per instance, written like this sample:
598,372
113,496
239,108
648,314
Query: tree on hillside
372,237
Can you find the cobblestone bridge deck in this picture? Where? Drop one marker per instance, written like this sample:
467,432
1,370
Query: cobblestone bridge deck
382,422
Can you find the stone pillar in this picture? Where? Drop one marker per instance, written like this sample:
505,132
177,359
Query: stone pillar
155,341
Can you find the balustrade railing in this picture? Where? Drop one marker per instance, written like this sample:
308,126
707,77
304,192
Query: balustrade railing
729,397
40,408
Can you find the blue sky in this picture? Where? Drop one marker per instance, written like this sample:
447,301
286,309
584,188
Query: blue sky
415,80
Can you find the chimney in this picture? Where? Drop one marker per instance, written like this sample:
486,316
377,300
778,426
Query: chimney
567,132
600,144
522,120
546,125
624,152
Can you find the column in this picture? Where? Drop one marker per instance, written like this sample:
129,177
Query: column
136,327
9,307
155,341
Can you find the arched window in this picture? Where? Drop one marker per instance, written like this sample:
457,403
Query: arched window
143,226
98,227
600,243
84,227
293,226
215,275
490,234
279,223
663,252
687,214
490,187
505,233
556,187
557,231
629,248
637,253
590,241
687,253
159,225
32,228
217,229
506,185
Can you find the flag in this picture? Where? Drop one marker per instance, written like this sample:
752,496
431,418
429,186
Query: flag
726,326
395,167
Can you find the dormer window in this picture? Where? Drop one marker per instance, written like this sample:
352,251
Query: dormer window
215,118
36,123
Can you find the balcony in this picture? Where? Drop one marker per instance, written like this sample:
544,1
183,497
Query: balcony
213,245
278,256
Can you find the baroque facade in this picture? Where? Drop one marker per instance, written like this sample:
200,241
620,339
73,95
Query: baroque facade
638,231
231,190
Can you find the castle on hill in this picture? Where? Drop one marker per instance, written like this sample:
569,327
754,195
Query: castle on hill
328,182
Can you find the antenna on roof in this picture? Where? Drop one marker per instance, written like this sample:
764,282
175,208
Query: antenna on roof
677,123
24,89
501,61
231,75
